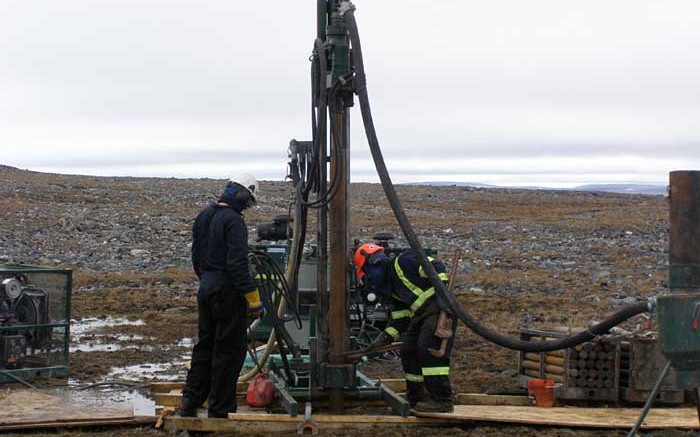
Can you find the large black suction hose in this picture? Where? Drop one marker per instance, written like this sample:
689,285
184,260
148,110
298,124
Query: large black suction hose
492,336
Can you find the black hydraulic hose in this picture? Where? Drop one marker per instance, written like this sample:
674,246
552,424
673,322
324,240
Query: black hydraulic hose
272,283
449,297
299,237
319,134
335,182
274,280
320,131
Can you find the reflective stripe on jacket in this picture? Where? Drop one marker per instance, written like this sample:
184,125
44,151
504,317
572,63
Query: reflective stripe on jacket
410,284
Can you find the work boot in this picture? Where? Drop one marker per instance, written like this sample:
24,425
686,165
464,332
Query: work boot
431,406
215,415
417,394
185,409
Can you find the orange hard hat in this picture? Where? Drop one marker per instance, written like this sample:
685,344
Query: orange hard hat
362,253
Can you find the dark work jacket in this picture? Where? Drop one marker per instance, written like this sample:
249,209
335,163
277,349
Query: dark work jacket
409,284
220,245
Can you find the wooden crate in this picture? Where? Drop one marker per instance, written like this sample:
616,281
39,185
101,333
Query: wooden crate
589,371
641,363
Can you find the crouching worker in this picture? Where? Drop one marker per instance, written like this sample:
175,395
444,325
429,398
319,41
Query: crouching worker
425,354
227,297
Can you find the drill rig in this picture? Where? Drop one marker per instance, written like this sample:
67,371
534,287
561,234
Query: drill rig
319,170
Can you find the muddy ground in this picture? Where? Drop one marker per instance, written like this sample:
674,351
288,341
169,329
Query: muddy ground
531,258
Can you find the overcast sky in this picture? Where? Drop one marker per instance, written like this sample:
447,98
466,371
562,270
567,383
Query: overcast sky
505,92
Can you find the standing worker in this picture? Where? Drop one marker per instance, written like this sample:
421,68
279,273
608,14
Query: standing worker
227,297
425,353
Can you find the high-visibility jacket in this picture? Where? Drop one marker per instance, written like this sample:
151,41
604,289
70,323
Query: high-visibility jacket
409,283
399,319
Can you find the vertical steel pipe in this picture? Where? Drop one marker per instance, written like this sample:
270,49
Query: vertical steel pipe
339,250
684,250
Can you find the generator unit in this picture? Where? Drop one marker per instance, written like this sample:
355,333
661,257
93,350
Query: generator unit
34,322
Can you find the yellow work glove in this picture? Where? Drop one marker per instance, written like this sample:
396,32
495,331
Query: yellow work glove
255,307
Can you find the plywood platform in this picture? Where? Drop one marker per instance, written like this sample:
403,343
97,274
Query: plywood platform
29,409
573,417
570,417
472,407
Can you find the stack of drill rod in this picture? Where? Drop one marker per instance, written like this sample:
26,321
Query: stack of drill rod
553,365
589,371
592,365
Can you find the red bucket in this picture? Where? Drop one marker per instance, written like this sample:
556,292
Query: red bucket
541,392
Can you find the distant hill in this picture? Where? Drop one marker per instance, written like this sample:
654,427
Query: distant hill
452,184
659,190
650,189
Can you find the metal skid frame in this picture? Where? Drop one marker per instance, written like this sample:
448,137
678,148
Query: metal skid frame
365,389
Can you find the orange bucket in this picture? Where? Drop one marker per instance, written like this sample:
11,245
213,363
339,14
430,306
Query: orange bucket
541,392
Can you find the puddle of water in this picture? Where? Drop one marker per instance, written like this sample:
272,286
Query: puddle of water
88,325
115,337
86,336
149,371
186,342
109,347
90,347
139,403
129,337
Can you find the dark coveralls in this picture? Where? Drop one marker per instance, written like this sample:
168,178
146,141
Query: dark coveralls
411,287
219,257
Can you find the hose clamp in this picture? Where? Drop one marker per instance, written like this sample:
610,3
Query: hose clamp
651,304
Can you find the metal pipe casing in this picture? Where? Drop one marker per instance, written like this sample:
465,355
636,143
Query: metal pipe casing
684,249
679,312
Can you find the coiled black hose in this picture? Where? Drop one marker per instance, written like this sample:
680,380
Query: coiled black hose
490,335
319,136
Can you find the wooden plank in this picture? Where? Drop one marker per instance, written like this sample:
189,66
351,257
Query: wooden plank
557,361
173,400
138,420
167,387
536,374
397,385
167,399
610,418
333,418
264,423
22,407
484,399
555,370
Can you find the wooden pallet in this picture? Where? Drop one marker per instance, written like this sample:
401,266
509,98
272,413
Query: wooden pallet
641,362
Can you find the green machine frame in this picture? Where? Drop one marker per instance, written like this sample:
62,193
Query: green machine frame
46,291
